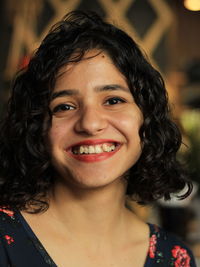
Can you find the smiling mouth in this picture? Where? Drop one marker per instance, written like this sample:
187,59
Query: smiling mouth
94,149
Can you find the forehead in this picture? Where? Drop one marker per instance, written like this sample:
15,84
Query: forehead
90,57
96,66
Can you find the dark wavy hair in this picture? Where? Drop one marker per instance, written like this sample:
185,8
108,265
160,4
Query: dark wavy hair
26,172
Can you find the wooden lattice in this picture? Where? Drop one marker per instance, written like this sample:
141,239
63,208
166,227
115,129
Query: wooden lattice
25,38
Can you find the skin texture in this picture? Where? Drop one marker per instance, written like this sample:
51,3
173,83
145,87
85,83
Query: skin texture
91,115
87,214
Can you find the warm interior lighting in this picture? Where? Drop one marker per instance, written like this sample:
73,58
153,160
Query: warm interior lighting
193,5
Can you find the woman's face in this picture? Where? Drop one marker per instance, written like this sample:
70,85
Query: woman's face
94,136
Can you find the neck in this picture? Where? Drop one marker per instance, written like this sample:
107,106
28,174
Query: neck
95,213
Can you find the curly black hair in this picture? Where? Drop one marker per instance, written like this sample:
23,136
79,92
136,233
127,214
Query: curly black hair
26,172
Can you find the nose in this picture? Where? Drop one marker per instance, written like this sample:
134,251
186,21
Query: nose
91,121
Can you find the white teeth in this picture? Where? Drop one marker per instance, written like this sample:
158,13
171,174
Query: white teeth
81,150
105,147
86,150
91,149
94,149
112,147
98,149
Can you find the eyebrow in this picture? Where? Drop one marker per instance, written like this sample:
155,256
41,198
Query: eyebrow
72,92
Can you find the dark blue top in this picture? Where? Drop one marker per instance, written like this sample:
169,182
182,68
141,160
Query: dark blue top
19,246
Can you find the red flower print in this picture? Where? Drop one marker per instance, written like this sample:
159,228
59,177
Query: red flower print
9,239
8,212
181,256
152,246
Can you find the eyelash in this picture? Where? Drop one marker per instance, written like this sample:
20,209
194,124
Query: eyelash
67,107
62,107
119,100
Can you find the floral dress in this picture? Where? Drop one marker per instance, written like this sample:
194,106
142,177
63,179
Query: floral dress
19,246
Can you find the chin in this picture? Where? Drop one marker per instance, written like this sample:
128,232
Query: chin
88,180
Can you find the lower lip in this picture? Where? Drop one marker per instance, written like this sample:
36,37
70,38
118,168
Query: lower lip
94,157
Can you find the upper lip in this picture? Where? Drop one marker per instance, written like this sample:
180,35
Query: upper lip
93,142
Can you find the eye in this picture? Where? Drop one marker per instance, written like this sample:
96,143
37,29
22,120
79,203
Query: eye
62,107
114,101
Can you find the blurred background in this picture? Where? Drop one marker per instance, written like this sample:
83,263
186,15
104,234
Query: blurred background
169,33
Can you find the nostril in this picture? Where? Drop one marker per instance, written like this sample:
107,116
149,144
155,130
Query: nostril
90,122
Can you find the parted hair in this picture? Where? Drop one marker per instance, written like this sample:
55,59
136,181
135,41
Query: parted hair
26,171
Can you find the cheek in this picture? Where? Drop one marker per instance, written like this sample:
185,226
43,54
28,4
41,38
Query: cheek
56,133
130,123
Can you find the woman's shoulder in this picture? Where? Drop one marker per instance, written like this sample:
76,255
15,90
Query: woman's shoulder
5,211
17,246
8,221
166,248
7,216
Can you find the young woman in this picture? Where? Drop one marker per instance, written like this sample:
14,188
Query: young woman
87,125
